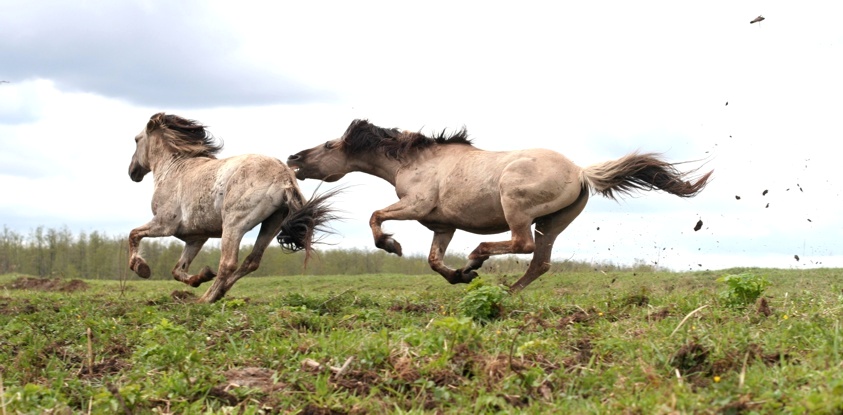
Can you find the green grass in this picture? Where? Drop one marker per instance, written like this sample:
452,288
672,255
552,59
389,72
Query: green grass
570,343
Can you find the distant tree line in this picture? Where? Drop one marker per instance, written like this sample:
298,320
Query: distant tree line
95,255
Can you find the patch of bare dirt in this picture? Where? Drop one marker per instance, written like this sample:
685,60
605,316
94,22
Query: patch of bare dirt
763,307
578,316
313,409
108,366
691,359
9,306
734,359
659,315
582,354
47,284
181,296
743,405
638,300
411,308
252,377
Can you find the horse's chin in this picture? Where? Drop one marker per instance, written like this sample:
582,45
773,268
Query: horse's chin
333,178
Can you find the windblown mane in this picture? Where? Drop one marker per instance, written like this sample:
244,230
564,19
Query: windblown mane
187,138
363,136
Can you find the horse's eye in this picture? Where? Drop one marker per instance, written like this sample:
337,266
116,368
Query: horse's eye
328,145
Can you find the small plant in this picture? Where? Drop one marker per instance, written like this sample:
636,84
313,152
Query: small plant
742,289
482,302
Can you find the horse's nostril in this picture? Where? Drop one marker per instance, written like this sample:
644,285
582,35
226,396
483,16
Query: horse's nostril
294,157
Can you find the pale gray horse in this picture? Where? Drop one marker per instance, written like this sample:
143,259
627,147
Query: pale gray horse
198,196
445,184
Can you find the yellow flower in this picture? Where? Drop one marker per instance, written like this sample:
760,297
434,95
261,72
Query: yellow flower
784,316
716,379
600,313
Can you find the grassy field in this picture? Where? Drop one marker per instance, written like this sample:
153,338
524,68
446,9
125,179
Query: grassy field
651,343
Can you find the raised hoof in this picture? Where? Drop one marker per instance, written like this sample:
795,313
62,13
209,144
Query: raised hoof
389,245
463,276
204,275
141,269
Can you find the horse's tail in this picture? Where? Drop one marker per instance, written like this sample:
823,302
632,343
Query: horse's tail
305,218
642,172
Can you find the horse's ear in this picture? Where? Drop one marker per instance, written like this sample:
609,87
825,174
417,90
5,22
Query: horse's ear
155,121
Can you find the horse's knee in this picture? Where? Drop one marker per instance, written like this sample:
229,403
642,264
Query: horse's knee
523,246
227,267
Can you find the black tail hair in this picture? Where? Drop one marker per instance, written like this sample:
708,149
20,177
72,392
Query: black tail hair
300,225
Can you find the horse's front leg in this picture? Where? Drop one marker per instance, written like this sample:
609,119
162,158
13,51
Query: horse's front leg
437,254
401,210
180,271
151,229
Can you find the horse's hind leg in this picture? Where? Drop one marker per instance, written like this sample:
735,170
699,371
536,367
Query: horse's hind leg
191,248
269,229
547,229
521,242
229,252
437,253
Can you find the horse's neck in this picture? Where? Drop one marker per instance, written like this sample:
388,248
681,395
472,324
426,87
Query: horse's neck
383,167
168,168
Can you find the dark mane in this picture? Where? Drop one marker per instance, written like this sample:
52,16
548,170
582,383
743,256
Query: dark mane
187,138
363,136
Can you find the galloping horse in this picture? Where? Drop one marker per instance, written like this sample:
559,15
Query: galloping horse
445,183
198,196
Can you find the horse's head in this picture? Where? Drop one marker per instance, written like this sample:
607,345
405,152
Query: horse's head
326,162
140,166
333,160
167,136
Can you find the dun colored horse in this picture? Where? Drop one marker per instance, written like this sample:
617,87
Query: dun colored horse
198,196
445,183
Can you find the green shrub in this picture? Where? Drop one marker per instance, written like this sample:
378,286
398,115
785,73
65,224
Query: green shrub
742,289
482,302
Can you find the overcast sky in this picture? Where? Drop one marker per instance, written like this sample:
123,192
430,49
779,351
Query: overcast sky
591,80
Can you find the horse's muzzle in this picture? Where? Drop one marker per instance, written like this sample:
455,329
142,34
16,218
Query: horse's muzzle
137,172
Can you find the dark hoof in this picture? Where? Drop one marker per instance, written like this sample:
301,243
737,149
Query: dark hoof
204,276
142,270
389,245
463,276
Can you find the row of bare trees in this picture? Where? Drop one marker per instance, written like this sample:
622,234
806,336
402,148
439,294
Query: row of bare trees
95,255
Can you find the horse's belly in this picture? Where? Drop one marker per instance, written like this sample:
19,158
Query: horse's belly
475,220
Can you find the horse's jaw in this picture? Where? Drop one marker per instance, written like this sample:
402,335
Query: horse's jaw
302,172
